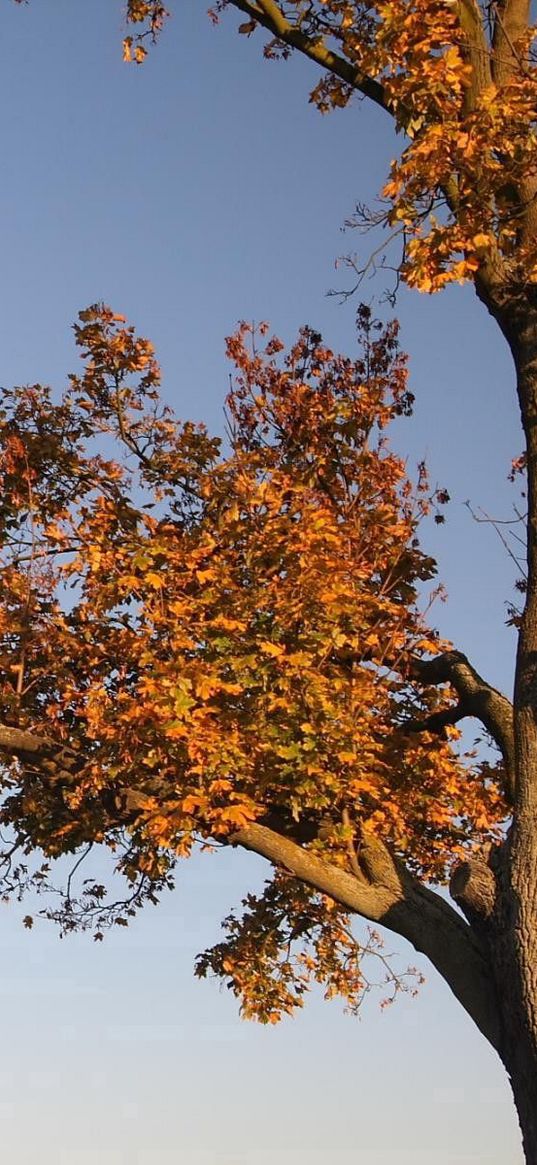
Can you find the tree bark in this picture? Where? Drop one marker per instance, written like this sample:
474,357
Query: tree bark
512,927
517,967
513,955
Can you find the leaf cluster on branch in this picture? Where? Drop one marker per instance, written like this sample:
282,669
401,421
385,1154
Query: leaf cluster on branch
223,643
202,638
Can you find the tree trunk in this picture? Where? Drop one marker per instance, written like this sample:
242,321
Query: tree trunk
513,931
512,937
519,1055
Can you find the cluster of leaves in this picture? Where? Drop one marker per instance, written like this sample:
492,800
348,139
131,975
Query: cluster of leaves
219,636
147,17
287,939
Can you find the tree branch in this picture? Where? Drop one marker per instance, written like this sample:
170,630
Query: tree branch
477,49
439,720
473,887
511,21
270,15
476,698
389,895
385,892
27,746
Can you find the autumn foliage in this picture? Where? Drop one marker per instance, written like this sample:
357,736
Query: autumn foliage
220,632
222,643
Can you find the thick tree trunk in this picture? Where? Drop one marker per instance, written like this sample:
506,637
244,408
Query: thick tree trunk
513,935
519,1055
513,948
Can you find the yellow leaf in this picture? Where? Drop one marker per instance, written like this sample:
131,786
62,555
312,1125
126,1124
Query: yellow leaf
193,802
273,649
481,242
155,580
238,814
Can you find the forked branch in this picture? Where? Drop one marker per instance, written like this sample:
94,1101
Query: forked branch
476,698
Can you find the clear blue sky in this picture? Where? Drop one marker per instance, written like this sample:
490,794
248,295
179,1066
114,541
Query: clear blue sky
195,191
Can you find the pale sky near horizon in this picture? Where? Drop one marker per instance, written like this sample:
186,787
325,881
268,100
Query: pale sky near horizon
188,194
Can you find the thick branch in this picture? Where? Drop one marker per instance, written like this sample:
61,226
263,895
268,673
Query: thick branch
476,698
389,895
384,892
439,720
509,62
477,49
511,21
27,746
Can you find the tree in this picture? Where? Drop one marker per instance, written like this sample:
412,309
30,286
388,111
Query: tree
201,646
459,81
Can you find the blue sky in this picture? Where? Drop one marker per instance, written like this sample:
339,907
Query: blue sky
188,194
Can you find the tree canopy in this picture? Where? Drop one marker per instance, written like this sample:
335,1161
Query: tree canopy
225,644
217,634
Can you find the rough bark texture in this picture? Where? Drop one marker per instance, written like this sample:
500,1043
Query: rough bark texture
512,928
477,699
518,921
515,967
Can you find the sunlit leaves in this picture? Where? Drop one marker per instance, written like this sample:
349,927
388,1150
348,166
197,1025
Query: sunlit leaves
286,940
222,634
147,18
